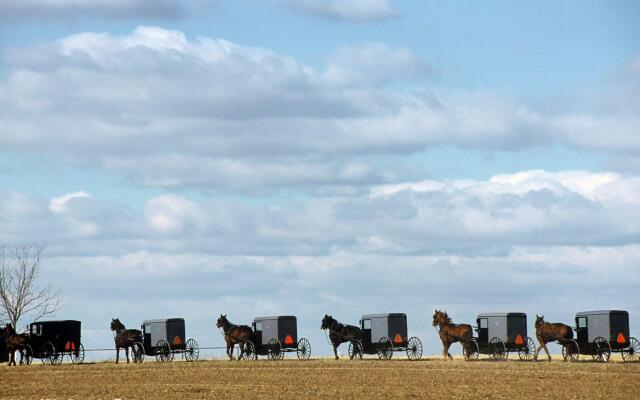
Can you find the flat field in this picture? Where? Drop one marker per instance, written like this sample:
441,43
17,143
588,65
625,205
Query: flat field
324,378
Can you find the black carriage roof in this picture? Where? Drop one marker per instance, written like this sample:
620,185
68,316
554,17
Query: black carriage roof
367,316
161,321
256,319
502,315
62,321
600,312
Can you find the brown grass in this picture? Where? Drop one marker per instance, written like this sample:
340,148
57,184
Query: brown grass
323,378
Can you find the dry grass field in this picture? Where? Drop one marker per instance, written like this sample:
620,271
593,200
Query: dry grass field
328,379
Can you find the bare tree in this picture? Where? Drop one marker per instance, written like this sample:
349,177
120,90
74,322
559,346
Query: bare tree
20,294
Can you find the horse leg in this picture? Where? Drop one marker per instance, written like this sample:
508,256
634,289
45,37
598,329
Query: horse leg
117,353
12,357
335,352
126,352
445,353
546,351
230,351
21,356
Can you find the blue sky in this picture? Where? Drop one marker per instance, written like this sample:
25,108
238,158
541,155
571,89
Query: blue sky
311,143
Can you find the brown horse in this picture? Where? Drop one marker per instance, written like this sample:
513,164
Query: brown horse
450,332
340,333
233,334
551,332
125,338
15,342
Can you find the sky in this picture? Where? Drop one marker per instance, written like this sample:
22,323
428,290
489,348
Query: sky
277,157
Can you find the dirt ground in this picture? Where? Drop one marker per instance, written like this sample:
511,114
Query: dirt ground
325,378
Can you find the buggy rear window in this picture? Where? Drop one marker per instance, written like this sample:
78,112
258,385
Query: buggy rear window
582,322
483,323
366,324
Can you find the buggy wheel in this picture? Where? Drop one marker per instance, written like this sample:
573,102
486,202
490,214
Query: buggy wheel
385,348
49,354
77,355
414,348
527,351
249,351
303,350
191,351
470,350
497,349
274,349
570,351
355,349
163,351
27,355
138,352
603,350
632,353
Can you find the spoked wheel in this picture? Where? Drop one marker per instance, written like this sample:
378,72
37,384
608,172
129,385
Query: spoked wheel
603,350
470,350
632,353
49,354
414,348
249,351
274,349
355,349
497,349
385,348
570,351
527,352
163,351
27,355
77,355
304,349
138,352
191,351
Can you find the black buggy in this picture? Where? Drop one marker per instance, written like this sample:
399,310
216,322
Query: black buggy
384,334
51,341
274,336
500,334
599,333
163,338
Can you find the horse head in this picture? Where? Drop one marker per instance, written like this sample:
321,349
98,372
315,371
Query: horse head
327,322
116,325
437,318
539,319
222,321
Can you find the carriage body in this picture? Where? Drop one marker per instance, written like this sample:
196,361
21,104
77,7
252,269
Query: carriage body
273,336
283,328
164,337
500,334
383,334
376,327
599,333
52,340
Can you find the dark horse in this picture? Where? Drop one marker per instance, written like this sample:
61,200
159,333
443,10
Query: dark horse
340,333
15,342
233,334
125,338
550,332
450,332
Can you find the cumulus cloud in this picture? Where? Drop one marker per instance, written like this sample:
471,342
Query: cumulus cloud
356,10
169,111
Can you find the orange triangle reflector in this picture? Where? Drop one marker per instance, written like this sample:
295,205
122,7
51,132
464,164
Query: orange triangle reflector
73,346
621,339
288,340
177,341
519,340
67,346
397,339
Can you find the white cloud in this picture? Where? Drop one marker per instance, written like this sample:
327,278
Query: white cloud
59,204
169,111
169,214
358,10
